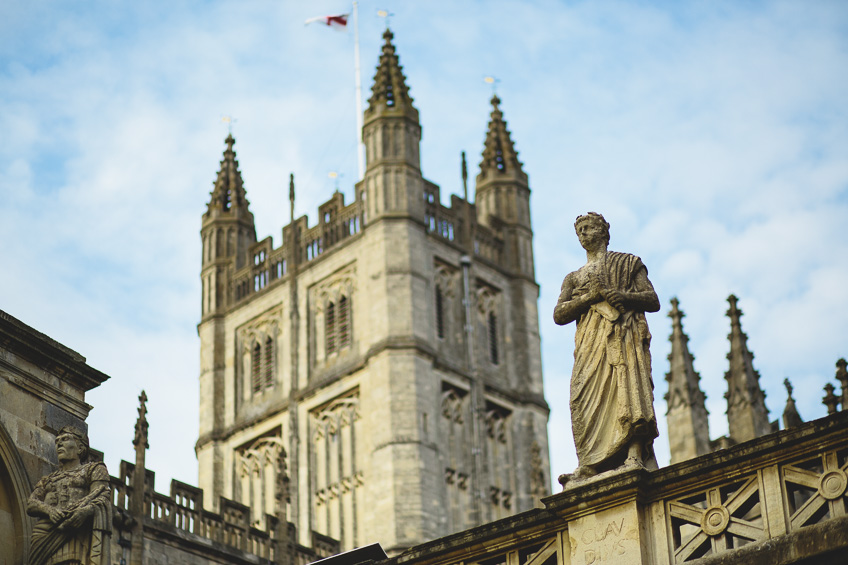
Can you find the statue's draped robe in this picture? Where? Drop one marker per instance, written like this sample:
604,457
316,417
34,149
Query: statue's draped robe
611,387
89,544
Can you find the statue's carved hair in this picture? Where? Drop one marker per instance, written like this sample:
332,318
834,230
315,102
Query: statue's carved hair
594,217
80,436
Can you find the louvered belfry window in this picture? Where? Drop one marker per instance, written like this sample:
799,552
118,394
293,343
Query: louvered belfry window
343,331
256,368
268,364
440,314
337,326
493,338
330,328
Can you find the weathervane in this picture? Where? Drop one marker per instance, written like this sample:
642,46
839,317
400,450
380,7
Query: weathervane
493,81
335,176
229,120
385,14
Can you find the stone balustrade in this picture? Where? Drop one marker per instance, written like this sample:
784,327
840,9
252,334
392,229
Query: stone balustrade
266,265
182,514
778,499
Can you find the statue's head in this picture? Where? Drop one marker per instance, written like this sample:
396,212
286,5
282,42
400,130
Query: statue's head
597,221
72,443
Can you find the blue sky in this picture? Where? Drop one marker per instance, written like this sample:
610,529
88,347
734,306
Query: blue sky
712,135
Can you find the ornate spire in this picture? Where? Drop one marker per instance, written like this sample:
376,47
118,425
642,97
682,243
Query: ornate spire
683,382
390,90
791,418
499,156
228,193
141,424
688,431
747,414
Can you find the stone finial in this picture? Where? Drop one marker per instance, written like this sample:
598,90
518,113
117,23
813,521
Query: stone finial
688,430
141,425
747,414
842,377
139,483
791,418
830,400
390,89
291,195
500,158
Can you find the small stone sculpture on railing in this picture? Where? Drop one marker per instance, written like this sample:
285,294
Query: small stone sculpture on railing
612,411
73,507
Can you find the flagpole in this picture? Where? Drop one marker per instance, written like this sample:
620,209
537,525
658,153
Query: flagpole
359,145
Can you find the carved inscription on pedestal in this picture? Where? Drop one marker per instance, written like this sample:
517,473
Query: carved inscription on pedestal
609,538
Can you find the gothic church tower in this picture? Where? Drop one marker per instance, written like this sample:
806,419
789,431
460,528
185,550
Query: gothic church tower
392,366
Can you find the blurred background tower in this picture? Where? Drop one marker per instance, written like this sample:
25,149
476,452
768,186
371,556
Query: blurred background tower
388,356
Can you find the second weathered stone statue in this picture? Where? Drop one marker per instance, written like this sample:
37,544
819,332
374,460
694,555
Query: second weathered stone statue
73,507
612,411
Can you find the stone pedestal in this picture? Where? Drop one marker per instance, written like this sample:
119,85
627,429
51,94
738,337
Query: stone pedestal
611,537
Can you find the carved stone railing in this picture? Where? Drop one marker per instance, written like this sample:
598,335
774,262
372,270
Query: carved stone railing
443,222
447,224
183,511
779,499
266,265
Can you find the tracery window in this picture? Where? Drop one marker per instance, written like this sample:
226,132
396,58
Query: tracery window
336,478
258,359
332,317
488,307
501,463
444,284
455,431
262,480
